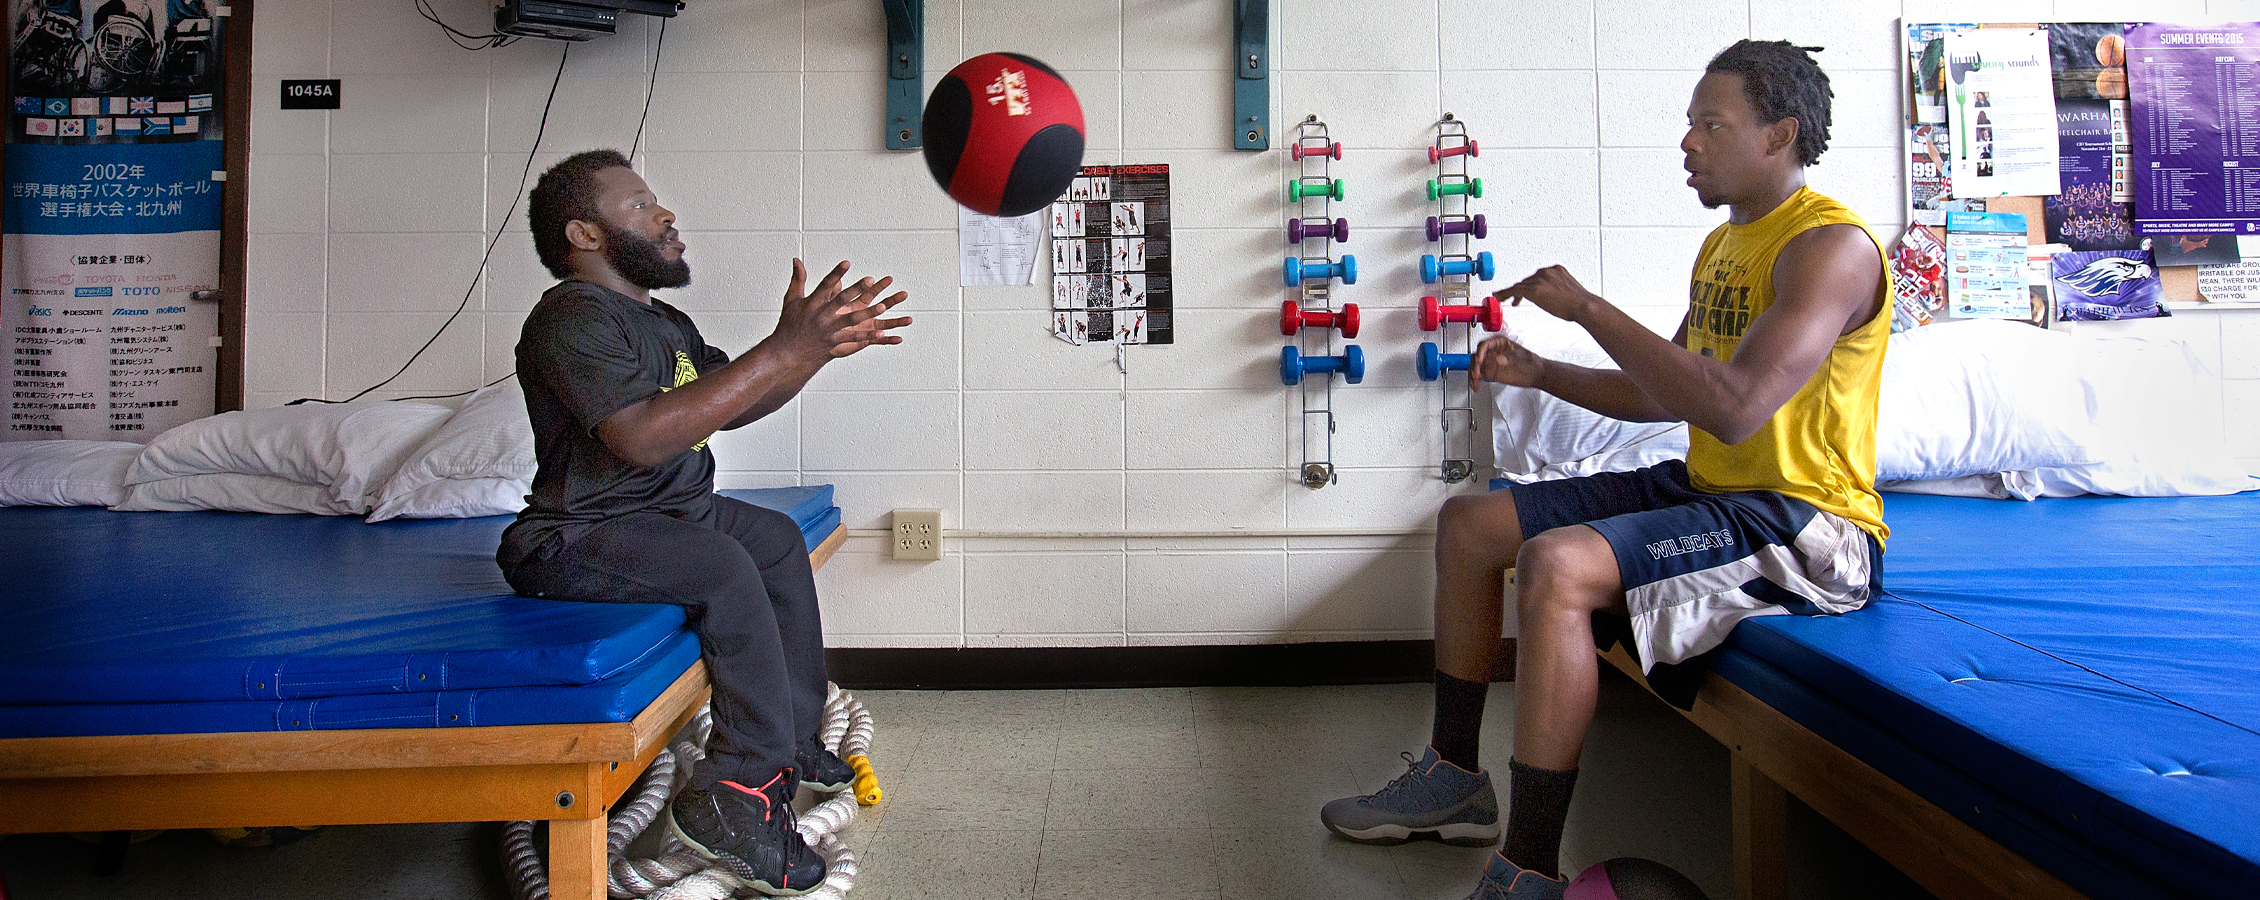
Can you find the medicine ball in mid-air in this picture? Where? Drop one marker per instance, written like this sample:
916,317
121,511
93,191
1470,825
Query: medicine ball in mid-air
1631,878
1003,134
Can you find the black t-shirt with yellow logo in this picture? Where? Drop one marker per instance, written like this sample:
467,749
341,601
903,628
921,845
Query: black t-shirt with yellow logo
585,353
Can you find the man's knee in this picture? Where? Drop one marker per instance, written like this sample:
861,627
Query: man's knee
1571,569
1479,520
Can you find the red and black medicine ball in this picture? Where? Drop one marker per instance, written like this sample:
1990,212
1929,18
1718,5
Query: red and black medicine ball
1631,878
1003,134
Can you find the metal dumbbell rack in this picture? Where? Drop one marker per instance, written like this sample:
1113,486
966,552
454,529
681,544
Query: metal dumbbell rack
1450,268
1311,318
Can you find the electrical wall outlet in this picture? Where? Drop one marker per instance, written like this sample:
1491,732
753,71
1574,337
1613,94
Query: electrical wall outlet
918,534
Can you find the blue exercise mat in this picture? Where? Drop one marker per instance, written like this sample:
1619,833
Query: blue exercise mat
2072,677
615,699
118,608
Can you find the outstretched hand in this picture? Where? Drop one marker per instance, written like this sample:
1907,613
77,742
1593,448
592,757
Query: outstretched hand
1552,289
835,321
1503,360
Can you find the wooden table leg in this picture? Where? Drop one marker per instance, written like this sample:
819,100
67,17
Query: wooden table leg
576,859
1761,833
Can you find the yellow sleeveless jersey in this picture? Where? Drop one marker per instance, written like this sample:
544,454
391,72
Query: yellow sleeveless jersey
1820,446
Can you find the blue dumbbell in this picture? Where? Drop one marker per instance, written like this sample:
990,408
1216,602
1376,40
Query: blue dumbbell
1293,365
1296,270
1432,268
1434,363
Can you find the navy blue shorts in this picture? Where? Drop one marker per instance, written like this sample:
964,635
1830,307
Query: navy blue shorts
1696,563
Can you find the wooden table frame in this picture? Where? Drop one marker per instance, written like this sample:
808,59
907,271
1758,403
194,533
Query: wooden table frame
1772,756
569,775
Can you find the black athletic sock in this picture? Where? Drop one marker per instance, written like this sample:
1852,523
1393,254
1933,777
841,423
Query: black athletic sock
1458,725
1537,808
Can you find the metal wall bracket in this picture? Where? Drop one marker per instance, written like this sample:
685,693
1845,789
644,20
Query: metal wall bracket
906,66
1251,89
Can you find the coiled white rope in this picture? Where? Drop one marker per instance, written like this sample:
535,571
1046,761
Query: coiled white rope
677,873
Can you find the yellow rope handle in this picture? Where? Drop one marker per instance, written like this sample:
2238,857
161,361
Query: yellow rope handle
866,781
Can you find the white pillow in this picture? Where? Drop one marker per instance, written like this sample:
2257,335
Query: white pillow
64,473
456,498
1982,396
1536,436
488,440
349,448
235,492
2160,407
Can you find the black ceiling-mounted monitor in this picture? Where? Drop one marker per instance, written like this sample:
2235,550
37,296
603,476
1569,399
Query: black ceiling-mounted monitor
572,20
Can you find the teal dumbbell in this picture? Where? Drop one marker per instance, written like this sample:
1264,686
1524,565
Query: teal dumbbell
1293,365
1432,269
1434,363
1472,187
1296,270
1298,189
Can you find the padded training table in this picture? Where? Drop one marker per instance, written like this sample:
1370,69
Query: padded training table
2054,700
198,670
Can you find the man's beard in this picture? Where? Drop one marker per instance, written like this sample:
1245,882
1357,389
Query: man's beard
642,261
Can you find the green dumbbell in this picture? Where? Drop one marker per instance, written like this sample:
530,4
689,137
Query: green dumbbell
1297,189
1472,187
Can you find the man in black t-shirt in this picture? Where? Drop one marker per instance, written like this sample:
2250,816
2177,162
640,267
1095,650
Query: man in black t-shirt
623,394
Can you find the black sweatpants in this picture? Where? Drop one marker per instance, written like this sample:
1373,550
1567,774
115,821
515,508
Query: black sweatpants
741,574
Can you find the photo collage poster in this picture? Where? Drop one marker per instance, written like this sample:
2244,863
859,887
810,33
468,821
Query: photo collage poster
1110,257
113,216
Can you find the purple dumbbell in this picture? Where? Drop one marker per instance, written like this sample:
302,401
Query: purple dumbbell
1318,228
1438,228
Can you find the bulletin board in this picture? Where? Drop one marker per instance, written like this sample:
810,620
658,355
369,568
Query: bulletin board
2129,140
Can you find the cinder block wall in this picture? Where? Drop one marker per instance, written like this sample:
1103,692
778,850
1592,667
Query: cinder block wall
764,136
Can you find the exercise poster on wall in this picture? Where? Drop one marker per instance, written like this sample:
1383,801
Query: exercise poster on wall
2195,127
112,217
1110,257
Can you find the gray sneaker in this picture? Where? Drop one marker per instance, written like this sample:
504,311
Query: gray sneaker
1433,797
1503,880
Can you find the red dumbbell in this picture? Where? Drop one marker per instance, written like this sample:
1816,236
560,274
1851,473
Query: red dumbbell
1293,318
1318,228
1298,151
1437,155
1433,314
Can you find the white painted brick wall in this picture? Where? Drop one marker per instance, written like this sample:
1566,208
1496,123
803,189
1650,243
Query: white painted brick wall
764,136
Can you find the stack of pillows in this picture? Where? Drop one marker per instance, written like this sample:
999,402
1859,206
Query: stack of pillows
379,459
1977,409
1972,408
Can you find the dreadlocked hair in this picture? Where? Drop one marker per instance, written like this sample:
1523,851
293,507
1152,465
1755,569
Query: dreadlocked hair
566,192
1783,82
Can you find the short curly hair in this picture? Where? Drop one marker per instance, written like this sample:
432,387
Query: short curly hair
566,192
1782,81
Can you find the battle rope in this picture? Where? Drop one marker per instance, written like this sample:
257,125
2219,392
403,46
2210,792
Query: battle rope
677,873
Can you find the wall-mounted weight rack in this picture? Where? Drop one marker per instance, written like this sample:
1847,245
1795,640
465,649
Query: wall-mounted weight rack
1311,319
1449,268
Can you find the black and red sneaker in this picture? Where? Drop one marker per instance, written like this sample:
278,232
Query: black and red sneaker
822,769
749,833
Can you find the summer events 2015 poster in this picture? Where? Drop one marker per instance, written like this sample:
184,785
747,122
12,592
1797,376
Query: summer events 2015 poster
2194,128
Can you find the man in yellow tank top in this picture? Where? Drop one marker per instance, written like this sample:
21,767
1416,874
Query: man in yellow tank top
1775,367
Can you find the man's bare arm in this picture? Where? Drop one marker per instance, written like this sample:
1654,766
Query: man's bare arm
1826,282
826,323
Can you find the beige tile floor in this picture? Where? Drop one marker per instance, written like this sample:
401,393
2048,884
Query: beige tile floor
1155,794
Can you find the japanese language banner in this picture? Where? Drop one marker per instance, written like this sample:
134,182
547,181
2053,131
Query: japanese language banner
113,216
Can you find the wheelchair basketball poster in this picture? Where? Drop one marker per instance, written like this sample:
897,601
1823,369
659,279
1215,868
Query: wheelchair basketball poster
113,216
1110,256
